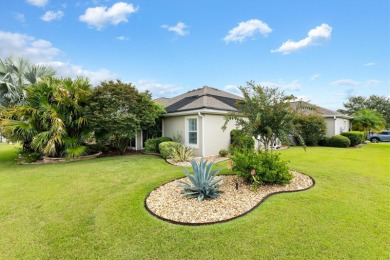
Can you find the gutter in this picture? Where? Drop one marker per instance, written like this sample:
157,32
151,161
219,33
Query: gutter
202,116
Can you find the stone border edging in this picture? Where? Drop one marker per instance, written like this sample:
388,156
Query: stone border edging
220,221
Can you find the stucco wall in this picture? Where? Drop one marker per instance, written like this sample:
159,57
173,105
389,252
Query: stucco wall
336,126
215,138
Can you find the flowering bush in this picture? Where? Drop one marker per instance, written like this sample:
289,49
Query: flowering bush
261,168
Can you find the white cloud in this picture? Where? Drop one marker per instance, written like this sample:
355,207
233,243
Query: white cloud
42,52
302,98
314,77
24,45
158,89
293,85
247,29
39,3
373,82
72,71
122,38
20,17
345,82
233,89
369,64
101,16
179,28
52,15
315,36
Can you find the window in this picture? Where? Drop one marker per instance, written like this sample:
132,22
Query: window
192,131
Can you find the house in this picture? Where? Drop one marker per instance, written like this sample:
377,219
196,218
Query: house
197,118
336,123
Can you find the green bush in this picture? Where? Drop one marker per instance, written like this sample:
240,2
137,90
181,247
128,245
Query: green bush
223,153
240,141
310,127
29,156
324,141
267,167
339,141
167,148
152,144
204,184
355,137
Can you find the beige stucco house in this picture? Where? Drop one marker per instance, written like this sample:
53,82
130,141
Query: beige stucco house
198,116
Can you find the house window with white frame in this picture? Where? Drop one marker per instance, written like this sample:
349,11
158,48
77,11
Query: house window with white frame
192,130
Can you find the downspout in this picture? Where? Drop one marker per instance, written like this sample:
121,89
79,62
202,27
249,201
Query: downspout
335,125
202,116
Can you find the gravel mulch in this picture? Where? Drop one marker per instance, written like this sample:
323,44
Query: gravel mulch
166,201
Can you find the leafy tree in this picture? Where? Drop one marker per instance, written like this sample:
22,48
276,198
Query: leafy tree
367,120
380,104
15,74
118,110
52,120
264,113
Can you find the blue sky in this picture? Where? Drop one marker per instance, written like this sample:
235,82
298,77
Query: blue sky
322,51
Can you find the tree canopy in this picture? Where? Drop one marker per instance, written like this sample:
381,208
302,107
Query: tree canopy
264,114
118,110
381,104
366,120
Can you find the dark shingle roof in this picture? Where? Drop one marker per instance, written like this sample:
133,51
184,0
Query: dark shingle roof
201,98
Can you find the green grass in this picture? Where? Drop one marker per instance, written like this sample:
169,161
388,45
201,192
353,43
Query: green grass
94,209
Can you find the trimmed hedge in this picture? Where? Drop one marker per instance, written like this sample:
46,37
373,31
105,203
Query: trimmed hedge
152,144
167,149
355,137
339,141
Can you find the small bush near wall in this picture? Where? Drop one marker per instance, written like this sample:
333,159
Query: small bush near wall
152,144
339,141
324,141
223,153
355,137
167,149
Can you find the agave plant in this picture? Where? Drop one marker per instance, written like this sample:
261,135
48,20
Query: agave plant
182,153
204,182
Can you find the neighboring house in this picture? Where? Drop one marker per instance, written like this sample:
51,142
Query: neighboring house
198,116
336,122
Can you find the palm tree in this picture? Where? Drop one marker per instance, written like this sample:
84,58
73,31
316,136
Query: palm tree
52,119
15,74
367,120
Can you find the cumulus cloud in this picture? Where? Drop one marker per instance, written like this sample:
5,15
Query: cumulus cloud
101,16
158,89
43,52
233,89
52,15
246,30
345,82
315,36
180,28
24,45
314,77
39,3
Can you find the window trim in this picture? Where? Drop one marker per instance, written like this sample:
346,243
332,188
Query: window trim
187,135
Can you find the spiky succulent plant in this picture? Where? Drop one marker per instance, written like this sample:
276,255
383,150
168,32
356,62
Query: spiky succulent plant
204,182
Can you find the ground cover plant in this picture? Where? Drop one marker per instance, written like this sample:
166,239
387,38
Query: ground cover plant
95,209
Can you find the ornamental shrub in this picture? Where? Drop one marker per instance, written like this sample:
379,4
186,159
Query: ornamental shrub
167,148
355,137
324,141
310,127
240,141
268,167
339,141
152,144
223,153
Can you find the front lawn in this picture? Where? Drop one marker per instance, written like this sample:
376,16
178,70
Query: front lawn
95,209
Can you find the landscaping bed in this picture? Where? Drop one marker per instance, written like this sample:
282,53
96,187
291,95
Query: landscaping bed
166,201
